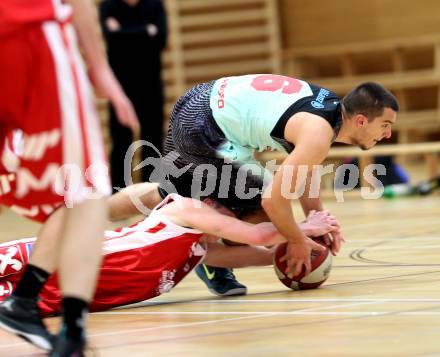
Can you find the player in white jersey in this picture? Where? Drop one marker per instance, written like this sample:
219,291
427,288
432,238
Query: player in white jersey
215,128
152,256
222,122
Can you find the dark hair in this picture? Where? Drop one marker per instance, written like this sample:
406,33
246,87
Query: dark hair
369,99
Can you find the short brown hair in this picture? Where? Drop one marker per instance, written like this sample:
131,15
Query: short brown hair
369,99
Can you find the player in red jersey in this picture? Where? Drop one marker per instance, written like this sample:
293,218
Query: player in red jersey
45,92
150,257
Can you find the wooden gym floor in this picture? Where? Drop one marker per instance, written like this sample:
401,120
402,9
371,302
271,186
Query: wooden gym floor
382,299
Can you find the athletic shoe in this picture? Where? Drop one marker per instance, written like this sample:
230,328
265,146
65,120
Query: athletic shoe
220,281
21,316
67,347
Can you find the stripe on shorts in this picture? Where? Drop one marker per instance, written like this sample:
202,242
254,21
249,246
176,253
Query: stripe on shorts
79,123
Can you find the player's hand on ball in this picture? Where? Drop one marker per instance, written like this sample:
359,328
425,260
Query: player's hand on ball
319,223
322,222
335,239
298,255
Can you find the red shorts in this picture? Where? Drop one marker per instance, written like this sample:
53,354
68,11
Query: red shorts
137,265
45,93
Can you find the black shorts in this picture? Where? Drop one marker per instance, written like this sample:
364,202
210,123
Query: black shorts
191,146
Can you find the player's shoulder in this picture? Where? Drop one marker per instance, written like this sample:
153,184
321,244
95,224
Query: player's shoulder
323,107
322,95
307,126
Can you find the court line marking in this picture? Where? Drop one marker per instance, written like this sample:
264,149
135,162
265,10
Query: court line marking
233,330
199,323
397,247
228,320
392,239
282,313
385,300
388,265
305,312
425,273
249,301
356,303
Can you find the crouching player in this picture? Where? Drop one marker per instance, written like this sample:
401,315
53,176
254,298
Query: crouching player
152,256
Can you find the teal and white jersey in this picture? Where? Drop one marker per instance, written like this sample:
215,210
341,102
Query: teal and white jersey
248,108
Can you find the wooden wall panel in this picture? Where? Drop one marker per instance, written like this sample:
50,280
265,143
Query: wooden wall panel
307,22
210,39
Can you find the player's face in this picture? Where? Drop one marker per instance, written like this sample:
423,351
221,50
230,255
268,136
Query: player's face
371,132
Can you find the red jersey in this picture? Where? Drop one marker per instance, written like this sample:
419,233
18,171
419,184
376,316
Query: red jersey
140,262
46,94
14,14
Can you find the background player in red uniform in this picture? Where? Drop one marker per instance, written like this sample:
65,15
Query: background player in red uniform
150,257
46,94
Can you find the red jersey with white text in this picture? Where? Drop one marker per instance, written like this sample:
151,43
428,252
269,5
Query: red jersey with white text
46,95
139,262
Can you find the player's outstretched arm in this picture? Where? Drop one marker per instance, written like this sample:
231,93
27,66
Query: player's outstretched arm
192,213
132,200
224,256
198,215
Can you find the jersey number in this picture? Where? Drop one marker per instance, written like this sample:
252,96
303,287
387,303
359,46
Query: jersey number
273,82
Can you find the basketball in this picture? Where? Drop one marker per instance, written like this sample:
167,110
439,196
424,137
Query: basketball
321,266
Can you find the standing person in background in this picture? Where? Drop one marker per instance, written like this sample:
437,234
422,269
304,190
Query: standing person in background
136,34
45,94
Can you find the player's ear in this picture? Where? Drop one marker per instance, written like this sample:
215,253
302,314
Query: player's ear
360,120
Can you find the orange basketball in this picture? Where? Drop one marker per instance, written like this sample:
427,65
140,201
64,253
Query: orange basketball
321,266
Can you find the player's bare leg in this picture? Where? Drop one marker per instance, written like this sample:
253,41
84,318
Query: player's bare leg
48,242
78,266
74,236
80,251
